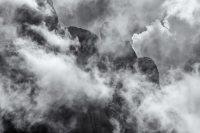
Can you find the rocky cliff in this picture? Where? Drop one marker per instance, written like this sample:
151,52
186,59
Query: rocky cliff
107,53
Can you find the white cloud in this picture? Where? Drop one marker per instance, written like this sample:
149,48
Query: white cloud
183,9
30,3
158,43
175,107
61,80
54,39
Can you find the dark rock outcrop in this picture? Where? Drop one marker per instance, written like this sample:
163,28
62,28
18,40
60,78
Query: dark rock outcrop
119,52
26,16
87,47
118,57
124,61
94,121
149,68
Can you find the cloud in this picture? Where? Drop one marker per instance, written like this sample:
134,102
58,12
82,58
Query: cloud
169,46
8,31
158,43
162,30
30,3
184,10
59,75
91,14
175,108
55,39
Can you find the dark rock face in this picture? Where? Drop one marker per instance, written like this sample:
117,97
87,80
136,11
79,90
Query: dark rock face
26,16
52,19
94,121
149,68
97,119
87,46
127,60
119,52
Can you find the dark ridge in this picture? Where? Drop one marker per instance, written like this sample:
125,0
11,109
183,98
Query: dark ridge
94,121
149,68
97,117
124,57
52,21
27,15
127,60
26,31
83,35
87,46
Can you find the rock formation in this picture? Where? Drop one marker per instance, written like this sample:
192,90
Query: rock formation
118,57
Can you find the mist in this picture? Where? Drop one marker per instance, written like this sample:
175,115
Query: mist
115,66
